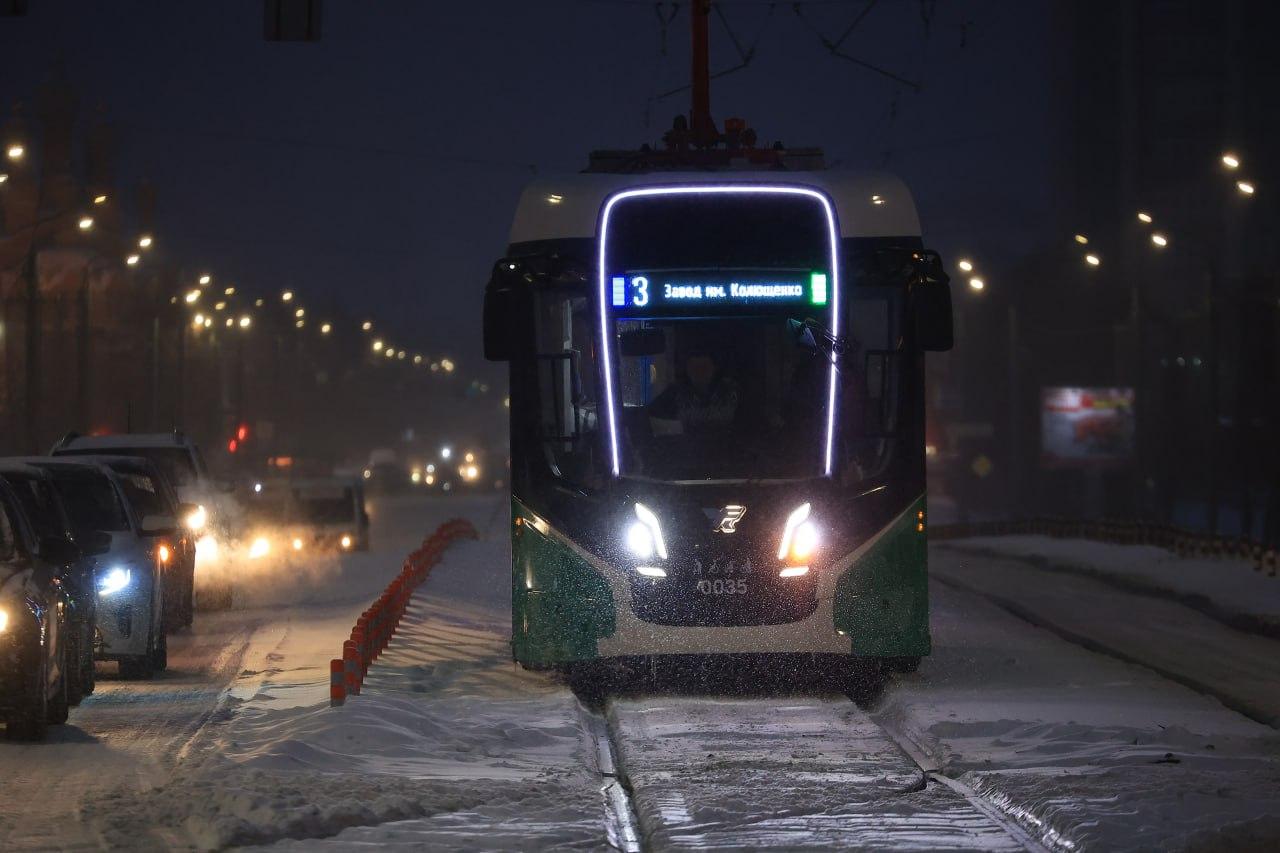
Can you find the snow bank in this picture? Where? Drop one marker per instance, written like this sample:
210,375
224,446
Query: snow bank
1085,751
449,745
1226,588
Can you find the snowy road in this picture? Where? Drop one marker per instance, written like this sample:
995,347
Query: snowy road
1010,735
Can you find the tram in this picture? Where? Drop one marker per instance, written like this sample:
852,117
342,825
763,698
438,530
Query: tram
717,414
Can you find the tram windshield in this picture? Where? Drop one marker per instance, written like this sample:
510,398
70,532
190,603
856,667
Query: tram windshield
721,399
713,383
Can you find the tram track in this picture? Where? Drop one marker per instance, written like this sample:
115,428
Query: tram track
621,825
808,771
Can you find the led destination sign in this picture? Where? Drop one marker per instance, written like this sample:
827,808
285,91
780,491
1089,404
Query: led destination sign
673,292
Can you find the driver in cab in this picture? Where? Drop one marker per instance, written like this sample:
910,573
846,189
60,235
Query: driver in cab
702,399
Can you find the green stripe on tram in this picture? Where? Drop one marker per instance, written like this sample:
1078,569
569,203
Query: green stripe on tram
560,605
882,600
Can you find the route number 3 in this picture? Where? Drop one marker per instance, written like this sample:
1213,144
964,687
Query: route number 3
639,291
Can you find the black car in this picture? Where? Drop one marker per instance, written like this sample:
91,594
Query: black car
33,628
44,509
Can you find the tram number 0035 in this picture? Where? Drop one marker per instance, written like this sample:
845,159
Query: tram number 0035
725,586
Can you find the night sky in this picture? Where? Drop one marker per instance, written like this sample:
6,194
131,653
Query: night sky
379,167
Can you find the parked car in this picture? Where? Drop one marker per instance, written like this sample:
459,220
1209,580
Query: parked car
43,507
156,504
130,577
33,635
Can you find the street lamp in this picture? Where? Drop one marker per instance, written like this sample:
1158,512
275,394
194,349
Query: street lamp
1231,161
366,325
198,321
192,295
1159,239
377,345
1093,260
230,291
326,329
144,242
1082,240
100,199
86,222
975,284
205,279
246,321
16,151
1144,218
301,312
965,265
132,260
287,296
1245,187
4,176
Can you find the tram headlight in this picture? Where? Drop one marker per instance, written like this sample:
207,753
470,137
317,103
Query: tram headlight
116,579
4,620
644,536
799,536
640,541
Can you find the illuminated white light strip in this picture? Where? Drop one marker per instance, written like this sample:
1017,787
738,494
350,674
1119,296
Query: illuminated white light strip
716,189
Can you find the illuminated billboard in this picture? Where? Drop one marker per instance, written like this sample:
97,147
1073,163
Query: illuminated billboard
1086,426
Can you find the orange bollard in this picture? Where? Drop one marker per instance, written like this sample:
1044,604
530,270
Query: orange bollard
351,667
362,650
337,687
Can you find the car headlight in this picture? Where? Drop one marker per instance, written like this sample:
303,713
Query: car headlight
644,537
197,518
206,548
345,541
163,553
297,543
116,579
799,536
4,620
260,547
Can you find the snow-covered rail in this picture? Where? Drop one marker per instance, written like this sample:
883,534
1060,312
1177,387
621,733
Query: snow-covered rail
790,772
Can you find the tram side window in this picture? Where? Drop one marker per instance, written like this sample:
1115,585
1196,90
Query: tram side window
872,383
567,419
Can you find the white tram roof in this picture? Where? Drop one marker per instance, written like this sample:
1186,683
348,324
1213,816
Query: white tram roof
868,204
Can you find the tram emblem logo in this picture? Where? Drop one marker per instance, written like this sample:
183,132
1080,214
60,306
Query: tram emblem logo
727,518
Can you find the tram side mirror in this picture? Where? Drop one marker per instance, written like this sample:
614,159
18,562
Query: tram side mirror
639,343
932,307
930,300
500,312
